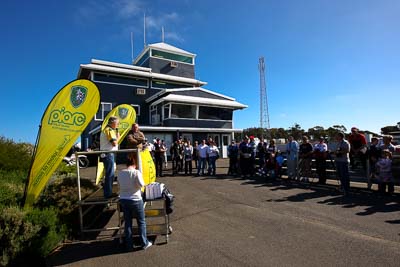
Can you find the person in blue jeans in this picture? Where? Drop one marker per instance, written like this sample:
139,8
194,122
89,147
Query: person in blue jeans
130,182
109,138
342,162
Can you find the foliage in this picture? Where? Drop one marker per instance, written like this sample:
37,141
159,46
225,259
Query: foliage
28,233
296,131
62,194
12,187
14,156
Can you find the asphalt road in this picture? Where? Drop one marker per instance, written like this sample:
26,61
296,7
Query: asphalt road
226,221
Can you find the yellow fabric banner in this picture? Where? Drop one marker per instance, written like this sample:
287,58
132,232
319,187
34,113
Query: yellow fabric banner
65,118
146,163
127,116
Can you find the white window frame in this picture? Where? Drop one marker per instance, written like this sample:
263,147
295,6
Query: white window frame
138,109
177,103
122,76
102,111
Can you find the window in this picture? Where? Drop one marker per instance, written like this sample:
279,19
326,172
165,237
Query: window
166,111
115,79
168,85
143,59
103,110
137,109
140,91
166,55
212,113
154,116
183,111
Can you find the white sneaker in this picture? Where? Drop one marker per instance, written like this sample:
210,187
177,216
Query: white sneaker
149,244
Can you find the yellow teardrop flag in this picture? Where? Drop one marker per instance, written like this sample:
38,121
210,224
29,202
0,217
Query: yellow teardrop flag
127,116
65,118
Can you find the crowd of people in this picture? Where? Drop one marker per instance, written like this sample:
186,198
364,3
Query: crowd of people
247,158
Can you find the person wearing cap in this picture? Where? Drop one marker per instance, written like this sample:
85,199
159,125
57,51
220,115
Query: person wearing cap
292,150
358,144
109,139
233,152
320,154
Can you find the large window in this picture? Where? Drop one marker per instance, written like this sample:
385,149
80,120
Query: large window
103,110
166,111
212,113
183,111
166,55
168,85
115,79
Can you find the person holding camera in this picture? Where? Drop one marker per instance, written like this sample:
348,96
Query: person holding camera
109,138
342,162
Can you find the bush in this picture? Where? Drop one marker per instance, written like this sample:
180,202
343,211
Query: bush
28,234
15,156
62,194
12,187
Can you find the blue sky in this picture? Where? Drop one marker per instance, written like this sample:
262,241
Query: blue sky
327,62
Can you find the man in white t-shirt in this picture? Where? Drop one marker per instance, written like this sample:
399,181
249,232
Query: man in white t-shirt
202,155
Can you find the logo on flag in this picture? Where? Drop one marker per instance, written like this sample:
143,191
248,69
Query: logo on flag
78,95
122,112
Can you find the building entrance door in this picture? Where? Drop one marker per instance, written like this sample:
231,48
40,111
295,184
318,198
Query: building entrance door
226,139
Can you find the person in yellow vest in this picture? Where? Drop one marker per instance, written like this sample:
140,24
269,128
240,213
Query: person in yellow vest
109,142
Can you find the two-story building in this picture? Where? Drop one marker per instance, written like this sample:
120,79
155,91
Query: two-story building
169,101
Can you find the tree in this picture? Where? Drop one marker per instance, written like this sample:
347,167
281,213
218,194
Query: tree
316,132
296,131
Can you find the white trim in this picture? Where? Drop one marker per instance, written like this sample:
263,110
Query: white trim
102,111
96,67
202,101
165,91
119,65
170,48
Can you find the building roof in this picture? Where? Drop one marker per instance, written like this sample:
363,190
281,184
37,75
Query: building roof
130,70
170,48
164,47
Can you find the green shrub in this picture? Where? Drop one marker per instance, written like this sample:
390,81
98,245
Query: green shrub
12,185
28,234
62,194
15,156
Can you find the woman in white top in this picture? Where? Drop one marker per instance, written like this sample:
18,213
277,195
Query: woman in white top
130,182
213,153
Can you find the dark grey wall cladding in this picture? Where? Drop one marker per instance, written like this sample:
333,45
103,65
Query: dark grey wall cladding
163,66
120,94
197,123
198,93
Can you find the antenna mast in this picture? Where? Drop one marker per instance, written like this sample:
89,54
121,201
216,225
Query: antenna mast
162,34
144,30
132,45
264,115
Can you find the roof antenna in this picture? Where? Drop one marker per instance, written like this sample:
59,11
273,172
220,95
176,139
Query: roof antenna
144,30
132,45
162,34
